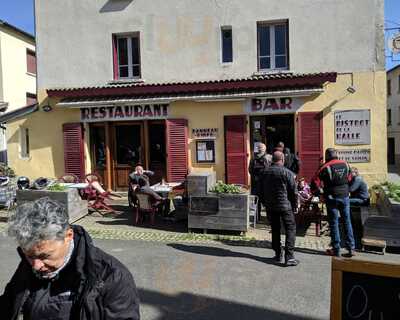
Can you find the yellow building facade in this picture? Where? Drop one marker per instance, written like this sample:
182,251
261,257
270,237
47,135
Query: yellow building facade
356,91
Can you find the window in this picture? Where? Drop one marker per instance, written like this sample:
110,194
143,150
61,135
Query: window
30,98
389,117
127,57
273,48
226,42
389,87
30,61
24,142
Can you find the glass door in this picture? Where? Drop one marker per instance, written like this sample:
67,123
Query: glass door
128,152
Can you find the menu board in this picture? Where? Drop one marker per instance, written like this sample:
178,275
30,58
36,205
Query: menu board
205,151
365,290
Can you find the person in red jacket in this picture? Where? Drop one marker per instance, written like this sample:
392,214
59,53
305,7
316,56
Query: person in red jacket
334,177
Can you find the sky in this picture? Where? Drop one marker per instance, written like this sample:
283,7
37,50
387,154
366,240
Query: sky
20,14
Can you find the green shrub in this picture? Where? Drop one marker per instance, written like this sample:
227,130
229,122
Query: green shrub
221,187
57,187
6,170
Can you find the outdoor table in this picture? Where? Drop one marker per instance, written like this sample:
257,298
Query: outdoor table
81,185
164,190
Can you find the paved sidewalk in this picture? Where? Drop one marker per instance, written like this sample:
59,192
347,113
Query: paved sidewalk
120,226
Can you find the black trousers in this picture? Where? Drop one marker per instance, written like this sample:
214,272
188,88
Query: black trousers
289,223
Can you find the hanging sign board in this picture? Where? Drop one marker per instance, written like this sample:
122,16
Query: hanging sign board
364,290
205,133
352,127
273,105
124,113
355,155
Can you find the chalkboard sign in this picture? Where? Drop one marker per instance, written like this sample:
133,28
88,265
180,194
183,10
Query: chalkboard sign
365,290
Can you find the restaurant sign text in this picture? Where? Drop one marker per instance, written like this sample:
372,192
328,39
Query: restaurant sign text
123,113
273,105
352,127
354,155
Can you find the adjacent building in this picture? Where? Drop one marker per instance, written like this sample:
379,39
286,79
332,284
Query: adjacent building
393,118
17,75
180,86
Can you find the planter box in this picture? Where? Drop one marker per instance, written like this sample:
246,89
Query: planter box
198,184
70,198
387,206
219,212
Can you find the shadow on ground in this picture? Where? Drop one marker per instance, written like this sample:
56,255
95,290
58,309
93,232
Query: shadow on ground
195,307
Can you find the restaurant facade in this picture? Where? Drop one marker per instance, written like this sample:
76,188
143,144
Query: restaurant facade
177,108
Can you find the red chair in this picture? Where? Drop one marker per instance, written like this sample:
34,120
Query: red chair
146,203
95,194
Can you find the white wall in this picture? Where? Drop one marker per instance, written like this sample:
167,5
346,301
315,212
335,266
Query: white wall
180,38
15,80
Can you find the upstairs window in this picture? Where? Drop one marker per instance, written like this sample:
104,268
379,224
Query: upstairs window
30,98
389,88
226,42
31,61
273,47
127,57
389,117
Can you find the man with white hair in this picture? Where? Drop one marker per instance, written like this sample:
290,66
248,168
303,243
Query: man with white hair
62,275
258,164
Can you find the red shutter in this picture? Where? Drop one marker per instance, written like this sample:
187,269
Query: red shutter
73,149
115,57
309,137
31,61
177,148
236,149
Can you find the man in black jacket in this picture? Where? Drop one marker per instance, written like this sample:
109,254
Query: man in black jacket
334,177
280,195
62,275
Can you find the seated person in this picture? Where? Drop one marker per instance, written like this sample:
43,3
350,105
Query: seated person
140,174
304,191
358,189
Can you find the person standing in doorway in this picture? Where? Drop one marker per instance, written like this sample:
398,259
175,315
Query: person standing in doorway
334,177
280,195
258,164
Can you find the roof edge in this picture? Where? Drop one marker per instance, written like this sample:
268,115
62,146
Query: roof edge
18,30
393,68
17,113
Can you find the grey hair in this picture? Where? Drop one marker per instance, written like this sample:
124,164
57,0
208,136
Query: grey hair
36,221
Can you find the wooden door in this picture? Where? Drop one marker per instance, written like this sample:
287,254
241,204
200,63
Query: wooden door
177,149
74,156
128,151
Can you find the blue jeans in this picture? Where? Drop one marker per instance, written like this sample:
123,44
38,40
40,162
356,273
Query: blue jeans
336,206
359,202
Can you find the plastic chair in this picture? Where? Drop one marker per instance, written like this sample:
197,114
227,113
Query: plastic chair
253,208
146,203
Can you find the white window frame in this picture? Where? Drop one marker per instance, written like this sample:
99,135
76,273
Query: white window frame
130,65
272,55
24,145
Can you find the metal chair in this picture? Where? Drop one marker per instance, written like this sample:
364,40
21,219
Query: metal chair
146,203
310,210
253,208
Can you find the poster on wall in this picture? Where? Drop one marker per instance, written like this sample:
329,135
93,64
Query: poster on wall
352,127
355,155
205,151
